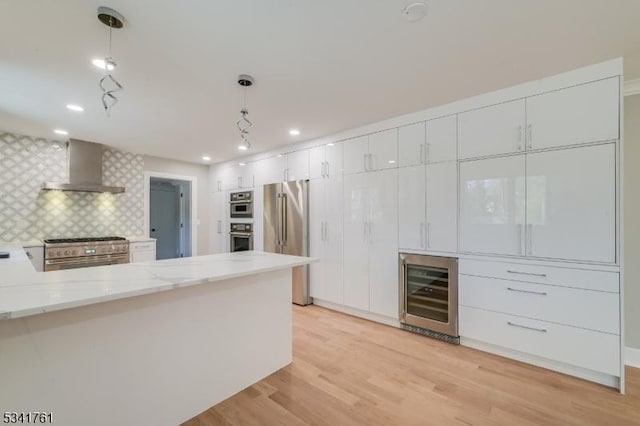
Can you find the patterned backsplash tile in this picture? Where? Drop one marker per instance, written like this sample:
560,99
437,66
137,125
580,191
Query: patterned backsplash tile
27,213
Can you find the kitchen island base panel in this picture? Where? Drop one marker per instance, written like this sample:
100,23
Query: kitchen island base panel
156,359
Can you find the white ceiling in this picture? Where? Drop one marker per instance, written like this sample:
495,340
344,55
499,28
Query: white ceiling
320,65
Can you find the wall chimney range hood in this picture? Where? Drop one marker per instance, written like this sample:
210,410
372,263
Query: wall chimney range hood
84,164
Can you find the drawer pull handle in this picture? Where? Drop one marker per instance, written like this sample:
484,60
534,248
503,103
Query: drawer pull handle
541,330
541,293
527,273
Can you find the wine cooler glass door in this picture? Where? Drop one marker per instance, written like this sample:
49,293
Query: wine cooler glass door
428,292
429,289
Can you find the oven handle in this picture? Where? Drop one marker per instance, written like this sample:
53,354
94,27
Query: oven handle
240,202
87,260
241,234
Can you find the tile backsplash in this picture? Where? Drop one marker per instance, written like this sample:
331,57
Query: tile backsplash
27,213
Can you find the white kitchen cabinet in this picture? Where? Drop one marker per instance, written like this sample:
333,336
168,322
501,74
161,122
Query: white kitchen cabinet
316,162
579,347
245,175
325,224
297,165
317,281
370,242
592,310
378,151
356,152
356,244
571,204
142,251
492,205
232,177
326,161
442,139
496,129
219,224
35,254
270,170
383,243
411,207
383,150
576,115
411,144
427,207
442,207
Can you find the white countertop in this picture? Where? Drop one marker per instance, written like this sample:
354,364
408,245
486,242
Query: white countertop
25,292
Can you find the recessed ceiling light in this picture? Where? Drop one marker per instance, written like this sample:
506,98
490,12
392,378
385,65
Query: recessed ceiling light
330,144
392,161
294,132
60,132
241,164
76,108
206,158
279,155
100,63
243,147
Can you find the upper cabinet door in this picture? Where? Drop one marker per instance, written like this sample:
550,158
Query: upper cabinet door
571,204
383,150
492,206
334,161
411,145
442,207
298,165
246,175
497,129
356,153
316,162
581,114
411,207
442,139
270,170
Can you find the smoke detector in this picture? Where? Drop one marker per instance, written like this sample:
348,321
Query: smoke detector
414,12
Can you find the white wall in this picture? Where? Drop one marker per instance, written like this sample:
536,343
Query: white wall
631,215
201,173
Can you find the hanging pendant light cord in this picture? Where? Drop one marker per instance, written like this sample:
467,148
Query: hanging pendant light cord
108,97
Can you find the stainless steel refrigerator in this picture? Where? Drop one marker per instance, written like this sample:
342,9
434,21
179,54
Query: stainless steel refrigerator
286,229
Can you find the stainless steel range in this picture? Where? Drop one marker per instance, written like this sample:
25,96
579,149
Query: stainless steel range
71,253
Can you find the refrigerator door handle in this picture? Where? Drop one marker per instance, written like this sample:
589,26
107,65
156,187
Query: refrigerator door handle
283,209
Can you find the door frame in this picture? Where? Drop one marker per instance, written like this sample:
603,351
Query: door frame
194,203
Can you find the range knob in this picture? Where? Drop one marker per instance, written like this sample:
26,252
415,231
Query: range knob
59,253
74,252
66,252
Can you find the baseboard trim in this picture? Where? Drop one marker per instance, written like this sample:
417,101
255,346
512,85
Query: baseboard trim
560,367
632,357
357,313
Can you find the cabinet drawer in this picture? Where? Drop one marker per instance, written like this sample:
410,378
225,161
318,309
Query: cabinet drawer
566,277
576,346
594,310
142,246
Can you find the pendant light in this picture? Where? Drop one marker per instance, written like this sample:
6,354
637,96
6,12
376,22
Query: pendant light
108,83
243,124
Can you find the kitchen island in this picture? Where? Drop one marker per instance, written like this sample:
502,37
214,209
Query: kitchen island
144,343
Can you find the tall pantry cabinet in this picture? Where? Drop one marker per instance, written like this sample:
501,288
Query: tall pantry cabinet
326,222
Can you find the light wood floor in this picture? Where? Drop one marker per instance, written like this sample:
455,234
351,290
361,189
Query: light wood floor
348,371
